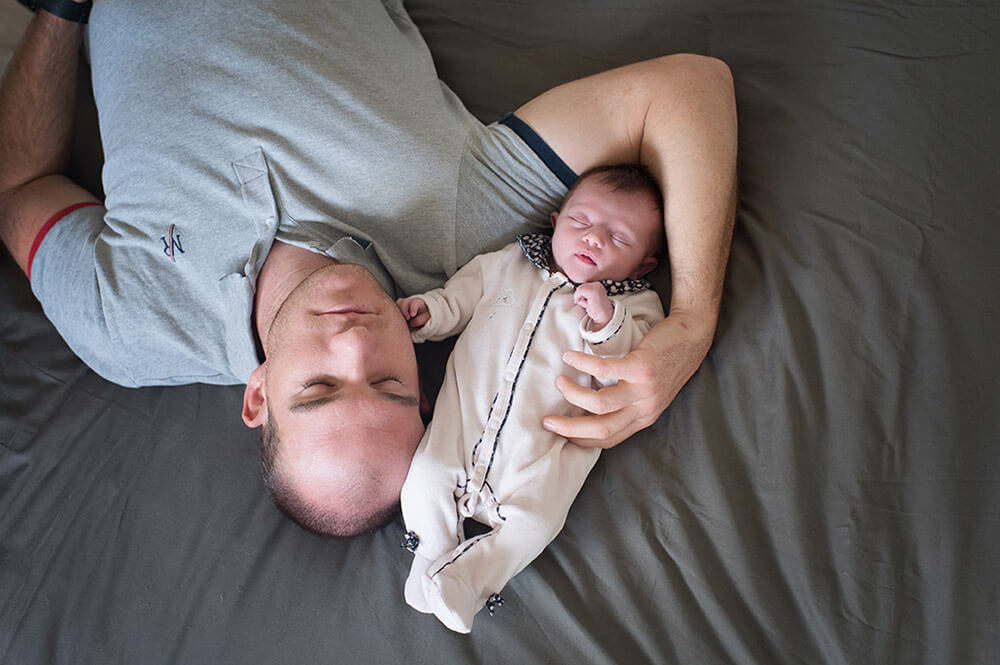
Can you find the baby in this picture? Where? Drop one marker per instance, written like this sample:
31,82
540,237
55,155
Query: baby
489,487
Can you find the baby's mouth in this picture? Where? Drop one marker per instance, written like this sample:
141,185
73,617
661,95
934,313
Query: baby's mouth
585,258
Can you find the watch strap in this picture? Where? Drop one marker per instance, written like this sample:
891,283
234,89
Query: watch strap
77,12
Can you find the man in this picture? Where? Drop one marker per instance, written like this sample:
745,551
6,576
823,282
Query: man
274,172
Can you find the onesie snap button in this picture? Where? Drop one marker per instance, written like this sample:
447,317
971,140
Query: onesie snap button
493,603
410,542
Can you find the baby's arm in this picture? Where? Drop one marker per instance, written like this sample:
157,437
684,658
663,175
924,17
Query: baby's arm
441,313
631,318
593,298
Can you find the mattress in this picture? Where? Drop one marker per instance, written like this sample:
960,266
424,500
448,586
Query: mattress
825,489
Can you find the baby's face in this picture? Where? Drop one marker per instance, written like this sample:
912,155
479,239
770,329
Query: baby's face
604,234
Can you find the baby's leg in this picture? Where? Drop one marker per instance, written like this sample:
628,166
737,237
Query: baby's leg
458,584
432,522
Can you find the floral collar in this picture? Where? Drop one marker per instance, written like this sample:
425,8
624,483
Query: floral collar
537,248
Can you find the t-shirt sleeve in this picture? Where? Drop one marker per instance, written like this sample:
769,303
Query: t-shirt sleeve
65,279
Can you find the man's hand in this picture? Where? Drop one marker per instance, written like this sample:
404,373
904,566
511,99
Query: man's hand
649,378
414,311
593,298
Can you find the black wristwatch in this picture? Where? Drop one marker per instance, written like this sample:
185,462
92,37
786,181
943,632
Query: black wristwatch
77,12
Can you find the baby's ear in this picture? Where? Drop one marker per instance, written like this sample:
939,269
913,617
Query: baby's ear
553,217
644,267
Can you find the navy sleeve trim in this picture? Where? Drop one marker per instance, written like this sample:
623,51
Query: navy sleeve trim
540,148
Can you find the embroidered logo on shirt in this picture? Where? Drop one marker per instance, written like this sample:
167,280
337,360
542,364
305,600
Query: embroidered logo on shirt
505,299
172,244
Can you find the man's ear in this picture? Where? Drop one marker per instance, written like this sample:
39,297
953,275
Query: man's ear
255,399
645,266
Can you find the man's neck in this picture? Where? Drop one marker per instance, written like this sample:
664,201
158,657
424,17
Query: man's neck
285,267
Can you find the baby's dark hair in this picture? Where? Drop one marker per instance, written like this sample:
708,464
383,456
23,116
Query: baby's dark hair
622,177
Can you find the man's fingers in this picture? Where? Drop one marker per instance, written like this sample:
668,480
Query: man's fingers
599,402
604,431
602,368
614,412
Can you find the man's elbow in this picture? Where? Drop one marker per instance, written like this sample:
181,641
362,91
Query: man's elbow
694,69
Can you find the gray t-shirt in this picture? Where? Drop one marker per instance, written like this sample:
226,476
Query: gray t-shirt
226,125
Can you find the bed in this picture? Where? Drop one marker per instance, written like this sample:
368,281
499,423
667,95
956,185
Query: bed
826,489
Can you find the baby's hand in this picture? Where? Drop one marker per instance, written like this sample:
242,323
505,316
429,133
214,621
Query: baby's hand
414,311
595,301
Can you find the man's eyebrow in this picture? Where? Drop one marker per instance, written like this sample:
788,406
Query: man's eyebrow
313,404
405,400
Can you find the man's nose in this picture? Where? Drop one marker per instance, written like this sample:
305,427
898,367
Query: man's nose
355,345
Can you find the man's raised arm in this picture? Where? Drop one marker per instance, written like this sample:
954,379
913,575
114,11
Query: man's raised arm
677,116
36,129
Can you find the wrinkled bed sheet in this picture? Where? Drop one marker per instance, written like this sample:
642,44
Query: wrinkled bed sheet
826,489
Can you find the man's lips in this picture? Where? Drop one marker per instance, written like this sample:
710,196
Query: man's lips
349,309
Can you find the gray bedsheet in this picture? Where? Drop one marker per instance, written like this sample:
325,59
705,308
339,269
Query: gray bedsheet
826,489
